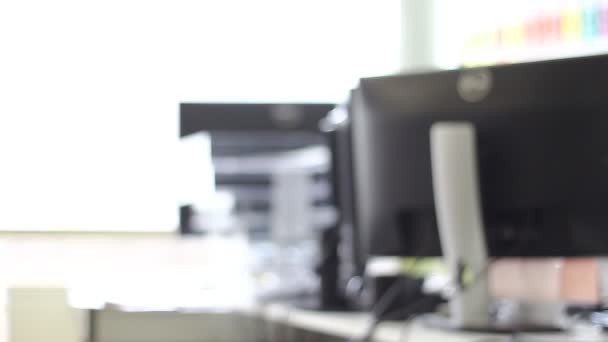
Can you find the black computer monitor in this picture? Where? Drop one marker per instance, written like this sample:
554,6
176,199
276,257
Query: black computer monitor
542,133
340,142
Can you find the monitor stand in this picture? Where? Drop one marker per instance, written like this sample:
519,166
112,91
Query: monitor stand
461,231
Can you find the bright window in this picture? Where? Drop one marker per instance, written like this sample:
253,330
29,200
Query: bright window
89,92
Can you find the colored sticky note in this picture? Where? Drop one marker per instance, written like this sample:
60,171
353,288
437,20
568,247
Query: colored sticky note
534,31
571,23
603,20
590,21
580,281
550,28
488,40
514,35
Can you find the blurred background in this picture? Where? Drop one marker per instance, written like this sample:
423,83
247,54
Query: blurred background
105,199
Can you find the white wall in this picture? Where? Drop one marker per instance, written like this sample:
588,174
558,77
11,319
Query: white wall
90,92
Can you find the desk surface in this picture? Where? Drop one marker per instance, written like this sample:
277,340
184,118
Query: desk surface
347,325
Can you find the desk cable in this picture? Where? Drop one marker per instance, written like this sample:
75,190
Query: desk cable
389,296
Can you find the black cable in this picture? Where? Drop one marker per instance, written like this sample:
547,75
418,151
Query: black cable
405,328
368,333
387,298
382,305
515,334
459,291
390,294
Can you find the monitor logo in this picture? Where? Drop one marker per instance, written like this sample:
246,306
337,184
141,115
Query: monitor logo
474,84
286,115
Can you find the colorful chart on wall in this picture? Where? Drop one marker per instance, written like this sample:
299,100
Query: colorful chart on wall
536,30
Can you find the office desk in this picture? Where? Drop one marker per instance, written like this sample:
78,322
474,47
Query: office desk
302,325
272,323
112,325
234,322
290,324
161,321
275,323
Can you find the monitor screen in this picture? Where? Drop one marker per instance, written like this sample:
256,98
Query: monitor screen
542,153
